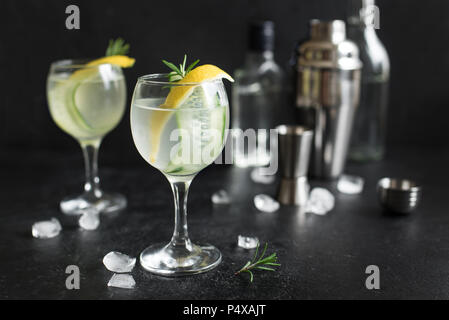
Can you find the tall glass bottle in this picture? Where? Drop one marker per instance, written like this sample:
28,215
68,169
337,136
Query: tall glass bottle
368,135
256,98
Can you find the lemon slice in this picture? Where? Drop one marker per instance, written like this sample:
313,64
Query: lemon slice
202,73
118,60
187,96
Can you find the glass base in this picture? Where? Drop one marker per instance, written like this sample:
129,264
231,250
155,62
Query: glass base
171,261
106,203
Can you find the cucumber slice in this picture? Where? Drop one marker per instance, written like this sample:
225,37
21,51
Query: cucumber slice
71,90
195,116
73,109
175,170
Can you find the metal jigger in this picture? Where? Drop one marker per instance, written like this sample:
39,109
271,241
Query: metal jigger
294,153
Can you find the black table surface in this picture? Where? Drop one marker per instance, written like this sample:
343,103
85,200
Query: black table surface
322,256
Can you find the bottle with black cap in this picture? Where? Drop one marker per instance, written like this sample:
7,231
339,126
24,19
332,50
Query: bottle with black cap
256,97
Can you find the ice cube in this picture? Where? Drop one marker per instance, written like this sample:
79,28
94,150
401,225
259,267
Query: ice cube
265,203
350,184
125,281
46,229
119,262
258,176
221,197
89,220
320,201
248,242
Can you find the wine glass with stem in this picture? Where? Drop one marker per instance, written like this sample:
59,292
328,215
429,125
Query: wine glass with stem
87,102
179,140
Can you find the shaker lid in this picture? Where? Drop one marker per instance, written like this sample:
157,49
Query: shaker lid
328,47
333,31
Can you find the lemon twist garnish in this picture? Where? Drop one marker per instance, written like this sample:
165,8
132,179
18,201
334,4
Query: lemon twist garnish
118,60
206,72
179,94
115,55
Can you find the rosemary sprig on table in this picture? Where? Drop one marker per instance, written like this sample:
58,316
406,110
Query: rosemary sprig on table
117,47
259,263
179,73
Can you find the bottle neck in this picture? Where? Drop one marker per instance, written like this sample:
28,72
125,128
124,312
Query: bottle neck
256,58
361,29
363,14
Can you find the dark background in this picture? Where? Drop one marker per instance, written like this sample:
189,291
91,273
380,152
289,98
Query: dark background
33,34
322,257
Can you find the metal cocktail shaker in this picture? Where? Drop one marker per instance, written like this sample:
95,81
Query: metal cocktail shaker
327,94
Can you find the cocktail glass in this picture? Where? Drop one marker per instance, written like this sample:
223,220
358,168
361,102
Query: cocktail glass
179,141
87,102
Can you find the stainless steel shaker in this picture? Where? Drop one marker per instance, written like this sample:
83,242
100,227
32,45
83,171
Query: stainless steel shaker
328,73
294,144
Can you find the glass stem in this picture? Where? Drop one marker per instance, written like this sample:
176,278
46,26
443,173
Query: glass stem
180,236
90,152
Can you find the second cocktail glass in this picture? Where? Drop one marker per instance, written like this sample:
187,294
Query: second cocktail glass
87,102
179,129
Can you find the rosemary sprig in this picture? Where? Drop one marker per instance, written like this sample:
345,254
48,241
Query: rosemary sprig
179,73
260,263
117,47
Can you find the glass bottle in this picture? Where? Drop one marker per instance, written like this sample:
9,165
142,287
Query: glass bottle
256,98
368,135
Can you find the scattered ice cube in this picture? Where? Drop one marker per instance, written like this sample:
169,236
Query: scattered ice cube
221,197
46,229
258,176
350,184
89,220
248,242
119,262
265,203
125,281
320,201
